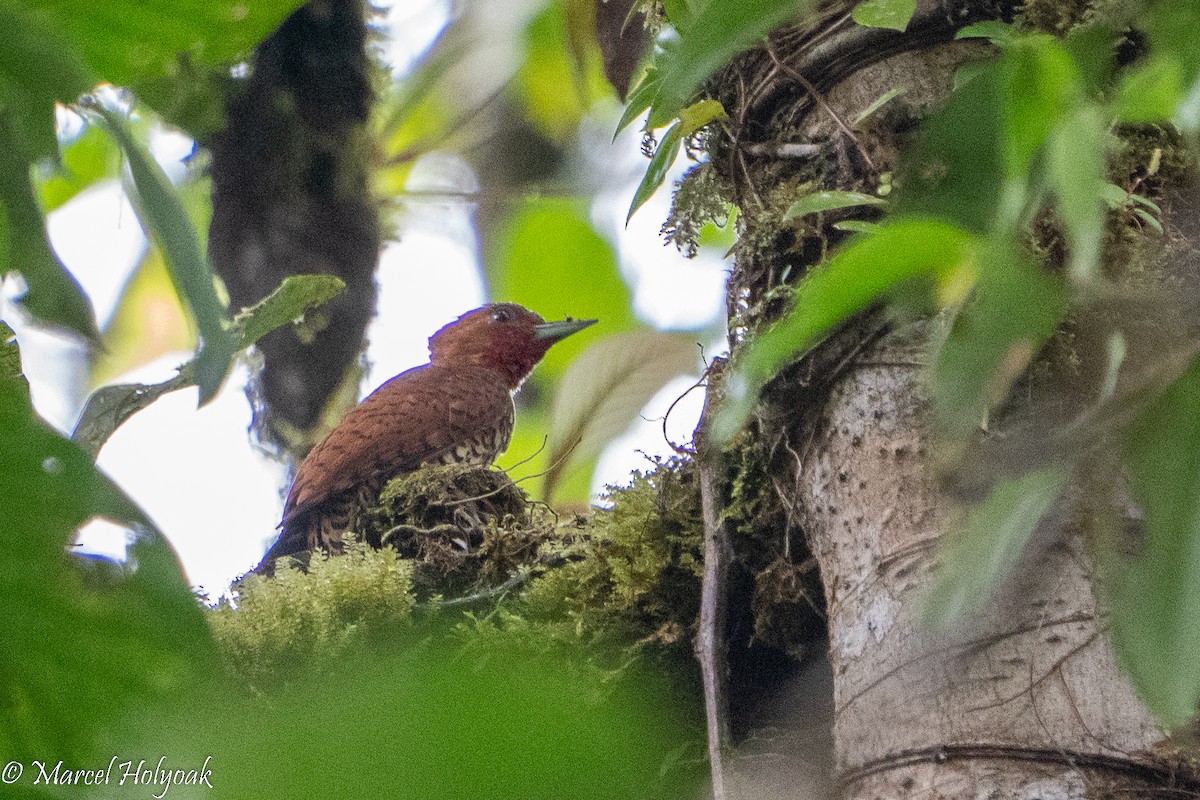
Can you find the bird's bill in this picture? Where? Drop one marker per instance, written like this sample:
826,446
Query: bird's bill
553,331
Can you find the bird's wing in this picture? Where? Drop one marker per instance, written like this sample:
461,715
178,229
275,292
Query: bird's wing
415,417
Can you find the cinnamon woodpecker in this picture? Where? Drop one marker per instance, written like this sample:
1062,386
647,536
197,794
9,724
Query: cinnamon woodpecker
457,409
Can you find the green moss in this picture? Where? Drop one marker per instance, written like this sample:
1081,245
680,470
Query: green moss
605,588
463,528
701,197
302,622
635,582
1060,17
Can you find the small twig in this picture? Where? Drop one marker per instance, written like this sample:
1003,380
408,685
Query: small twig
519,577
531,456
445,527
783,149
681,449
820,99
516,579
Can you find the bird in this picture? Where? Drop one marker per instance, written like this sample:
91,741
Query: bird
456,409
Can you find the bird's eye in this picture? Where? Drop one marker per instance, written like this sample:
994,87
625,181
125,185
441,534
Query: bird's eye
502,315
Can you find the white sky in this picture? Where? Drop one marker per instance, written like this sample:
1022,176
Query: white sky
195,471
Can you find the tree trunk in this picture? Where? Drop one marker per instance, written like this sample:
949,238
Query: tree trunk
1024,699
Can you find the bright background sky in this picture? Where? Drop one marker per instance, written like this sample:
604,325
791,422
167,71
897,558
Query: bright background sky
196,472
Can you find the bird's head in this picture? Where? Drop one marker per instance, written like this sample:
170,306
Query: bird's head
505,337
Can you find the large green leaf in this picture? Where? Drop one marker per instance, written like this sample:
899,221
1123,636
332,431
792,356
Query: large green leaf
1076,166
719,31
161,209
1157,598
994,337
980,555
428,722
551,261
956,170
603,390
853,279
77,653
1040,81
39,66
124,41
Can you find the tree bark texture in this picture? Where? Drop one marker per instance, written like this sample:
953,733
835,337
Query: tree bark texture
291,195
1024,699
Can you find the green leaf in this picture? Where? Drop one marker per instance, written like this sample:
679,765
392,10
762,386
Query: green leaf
995,30
541,726
878,103
38,67
856,226
287,304
975,559
691,119
830,201
57,50
639,99
722,29
161,209
697,115
894,14
854,278
109,407
956,170
554,91
124,41
1077,173
1113,196
1148,218
603,390
1174,28
656,172
54,295
1040,85
1151,93
551,261
1157,596
81,648
1015,309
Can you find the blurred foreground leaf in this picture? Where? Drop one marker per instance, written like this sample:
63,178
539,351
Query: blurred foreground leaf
603,390
854,278
894,14
53,296
161,210
980,555
721,30
78,652
552,261
1157,598
433,722
994,337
